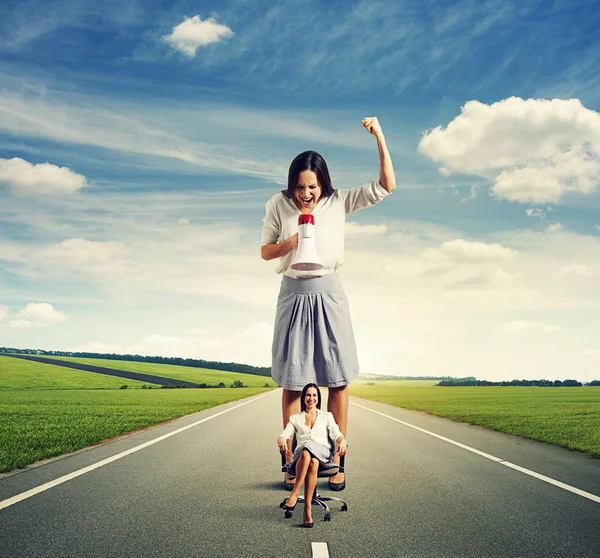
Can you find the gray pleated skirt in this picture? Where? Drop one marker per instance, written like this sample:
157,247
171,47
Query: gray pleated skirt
313,340
321,452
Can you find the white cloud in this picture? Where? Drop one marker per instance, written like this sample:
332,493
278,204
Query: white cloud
356,229
194,33
579,270
536,212
520,326
134,130
534,150
555,227
78,253
463,258
474,192
460,264
26,179
459,250
37,315
3,313
184,137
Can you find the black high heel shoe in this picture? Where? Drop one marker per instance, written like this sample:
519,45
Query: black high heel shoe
309,525
337,486
286,507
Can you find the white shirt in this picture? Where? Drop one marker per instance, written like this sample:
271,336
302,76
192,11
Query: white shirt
281,222
324,429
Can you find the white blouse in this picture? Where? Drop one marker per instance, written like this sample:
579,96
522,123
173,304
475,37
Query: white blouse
324,429
281,222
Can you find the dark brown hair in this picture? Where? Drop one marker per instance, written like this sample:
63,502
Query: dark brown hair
304,390
309,160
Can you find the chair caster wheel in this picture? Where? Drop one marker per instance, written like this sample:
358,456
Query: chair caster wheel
327,517
344,507
288,514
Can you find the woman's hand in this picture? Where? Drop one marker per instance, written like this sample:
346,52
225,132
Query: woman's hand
340,445
293,240
282,443
278,249
372,126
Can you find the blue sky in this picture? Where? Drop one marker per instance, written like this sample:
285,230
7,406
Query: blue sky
139,142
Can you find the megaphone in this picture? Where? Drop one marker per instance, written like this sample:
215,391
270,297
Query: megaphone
306,258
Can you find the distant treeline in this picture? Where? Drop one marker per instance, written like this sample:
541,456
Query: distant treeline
197,363
541,383
384,377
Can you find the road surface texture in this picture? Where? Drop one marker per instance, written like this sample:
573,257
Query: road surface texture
212,487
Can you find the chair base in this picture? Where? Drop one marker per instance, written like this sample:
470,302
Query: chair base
318,500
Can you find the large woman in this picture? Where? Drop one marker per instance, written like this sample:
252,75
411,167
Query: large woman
313,340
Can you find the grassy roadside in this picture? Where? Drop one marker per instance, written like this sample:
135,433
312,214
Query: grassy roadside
176,372
27,375
40,424
568,417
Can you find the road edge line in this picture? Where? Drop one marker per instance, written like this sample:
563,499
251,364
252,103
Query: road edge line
46,486
523,470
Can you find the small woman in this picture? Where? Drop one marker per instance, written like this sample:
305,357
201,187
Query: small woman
314,431
313,340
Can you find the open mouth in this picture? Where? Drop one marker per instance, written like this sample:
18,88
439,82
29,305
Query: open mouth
306,201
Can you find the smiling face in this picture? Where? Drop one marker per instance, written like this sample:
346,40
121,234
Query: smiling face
311,398
307,192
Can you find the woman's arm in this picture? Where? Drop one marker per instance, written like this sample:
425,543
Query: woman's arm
287,433
282,443
340,446
278,249
386,170
336,434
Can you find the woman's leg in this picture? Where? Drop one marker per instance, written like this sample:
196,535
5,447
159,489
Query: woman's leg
302,466
310,485
337,405
290,405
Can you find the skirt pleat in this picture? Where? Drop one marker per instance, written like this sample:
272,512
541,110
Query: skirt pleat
313,341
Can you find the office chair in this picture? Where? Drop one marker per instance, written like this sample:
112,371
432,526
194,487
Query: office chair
317,500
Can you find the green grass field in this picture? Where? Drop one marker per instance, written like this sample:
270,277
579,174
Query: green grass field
568,417
186,373
50,410
24,374
40,424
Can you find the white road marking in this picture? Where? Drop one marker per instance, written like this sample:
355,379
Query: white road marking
319,550
549,480
43,487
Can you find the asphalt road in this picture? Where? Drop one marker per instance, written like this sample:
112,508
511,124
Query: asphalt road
214,488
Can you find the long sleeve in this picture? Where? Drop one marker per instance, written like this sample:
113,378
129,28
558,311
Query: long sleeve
333,428
271,223
288,431
364,196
